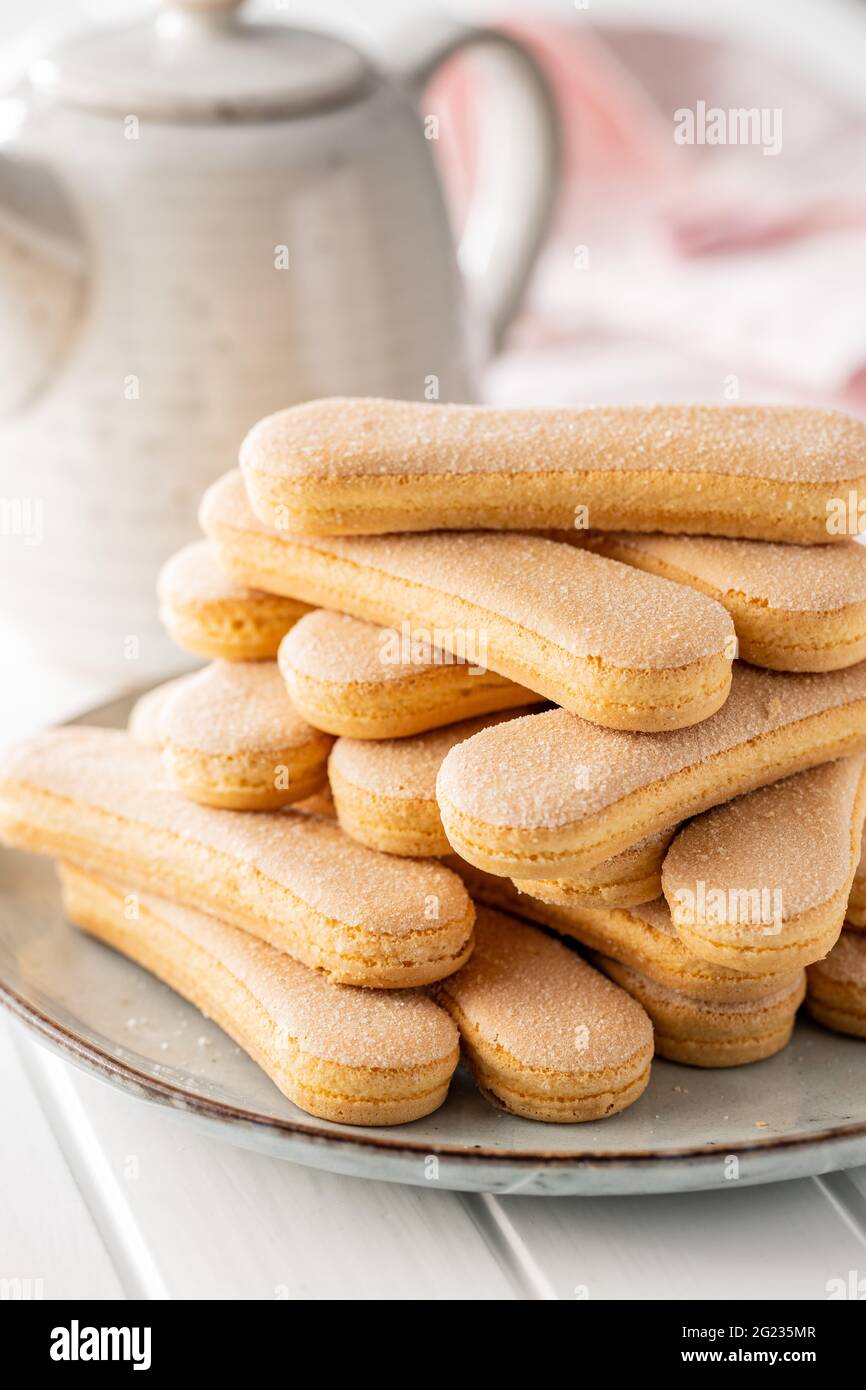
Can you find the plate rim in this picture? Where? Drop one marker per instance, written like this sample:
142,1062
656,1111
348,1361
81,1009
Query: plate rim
124,1076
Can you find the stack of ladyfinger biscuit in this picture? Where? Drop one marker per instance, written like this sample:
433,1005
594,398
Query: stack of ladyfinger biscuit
491,679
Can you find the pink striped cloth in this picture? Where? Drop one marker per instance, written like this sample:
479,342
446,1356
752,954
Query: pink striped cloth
689,271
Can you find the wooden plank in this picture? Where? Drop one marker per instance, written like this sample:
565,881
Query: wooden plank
49,1243
783,1241
187,1216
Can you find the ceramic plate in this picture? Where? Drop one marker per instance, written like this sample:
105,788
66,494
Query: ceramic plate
803,1112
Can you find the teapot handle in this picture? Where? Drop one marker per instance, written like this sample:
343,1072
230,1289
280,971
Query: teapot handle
518,160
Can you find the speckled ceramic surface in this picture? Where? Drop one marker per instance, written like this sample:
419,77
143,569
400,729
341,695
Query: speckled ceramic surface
206,221
803,1112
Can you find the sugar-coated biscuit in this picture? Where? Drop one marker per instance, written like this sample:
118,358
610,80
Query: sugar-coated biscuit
207,612
642,936
855,917
836,994
353,678
145,717
145,728
706,1034
800,609
385,790
231,737
619,647
93,797
385,796
551,795
764,879
629,878
355,1056
546,1036
321,803
342,467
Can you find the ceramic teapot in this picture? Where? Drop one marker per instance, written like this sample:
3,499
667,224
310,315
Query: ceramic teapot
203,219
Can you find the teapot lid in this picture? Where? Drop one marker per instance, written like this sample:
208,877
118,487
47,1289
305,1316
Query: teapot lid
196,60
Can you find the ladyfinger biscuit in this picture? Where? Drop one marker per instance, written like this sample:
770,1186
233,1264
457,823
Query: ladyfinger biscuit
706,1034
642,937
145,728
385,794
629,878
355,679
855,917
545,1035
800,609
836,994
144,725
231,737
622,648
354,1056
765,878
552,795
91,796
206,612
344,467
321,803
385,790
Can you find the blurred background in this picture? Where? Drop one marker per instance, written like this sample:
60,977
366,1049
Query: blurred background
206,215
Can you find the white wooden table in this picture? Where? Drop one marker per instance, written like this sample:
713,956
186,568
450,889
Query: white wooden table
102,1196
